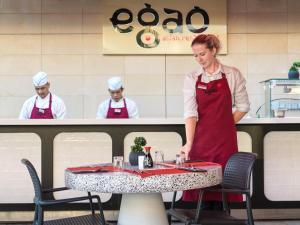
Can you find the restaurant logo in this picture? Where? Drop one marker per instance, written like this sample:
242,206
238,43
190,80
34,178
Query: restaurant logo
149,37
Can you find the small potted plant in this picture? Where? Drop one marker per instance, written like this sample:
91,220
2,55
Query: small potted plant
293,72
137,150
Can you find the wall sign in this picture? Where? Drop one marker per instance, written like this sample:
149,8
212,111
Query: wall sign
161,27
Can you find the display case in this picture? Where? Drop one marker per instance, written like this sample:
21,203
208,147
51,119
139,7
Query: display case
282,98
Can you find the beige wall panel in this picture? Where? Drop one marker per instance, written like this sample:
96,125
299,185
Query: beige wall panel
148,65
97,85
267,6
20,44
91,103
150,106
253,85
281,166
93,6
78,149
293,44
62,44
92,23
237,23
18,187
72,46
174,84
62,23
168,142
92,44
175,106
62,6
145,84
235,6
74,105
10,107
267,64
180,64
267,43
237,60
292,58
67,85
256,101
103,65
19,64
20,6
293,6
293,22
62,64
10,86
267,23
20,23
237,43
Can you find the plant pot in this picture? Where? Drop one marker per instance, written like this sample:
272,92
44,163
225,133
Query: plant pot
134,158
293,74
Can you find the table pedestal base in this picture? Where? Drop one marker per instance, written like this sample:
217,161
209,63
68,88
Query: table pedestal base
142,209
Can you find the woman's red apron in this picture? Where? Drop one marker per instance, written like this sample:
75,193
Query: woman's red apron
117,113
39,113
215,138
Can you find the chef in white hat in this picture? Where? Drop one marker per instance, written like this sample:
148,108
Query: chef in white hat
117,106
43,105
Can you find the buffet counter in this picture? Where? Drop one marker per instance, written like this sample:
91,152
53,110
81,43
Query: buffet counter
53,145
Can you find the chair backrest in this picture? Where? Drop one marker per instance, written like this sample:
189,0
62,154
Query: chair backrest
34,178
237,172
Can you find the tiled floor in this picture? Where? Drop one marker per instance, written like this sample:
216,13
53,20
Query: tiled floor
292,222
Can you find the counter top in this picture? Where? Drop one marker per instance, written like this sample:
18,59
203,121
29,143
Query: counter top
145,121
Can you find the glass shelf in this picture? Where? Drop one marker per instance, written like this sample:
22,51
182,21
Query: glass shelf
282,98
282,82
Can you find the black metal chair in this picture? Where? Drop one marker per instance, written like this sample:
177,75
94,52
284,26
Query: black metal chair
41,203
236,179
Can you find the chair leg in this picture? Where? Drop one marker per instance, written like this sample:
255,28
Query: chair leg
249,210
102,218
169,219
91,202
35,215
225,203
40,219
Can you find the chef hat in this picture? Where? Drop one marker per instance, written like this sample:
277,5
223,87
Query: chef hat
40,79
114,83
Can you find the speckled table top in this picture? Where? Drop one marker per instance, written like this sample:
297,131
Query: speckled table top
123,182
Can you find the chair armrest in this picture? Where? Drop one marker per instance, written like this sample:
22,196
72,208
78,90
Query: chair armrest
50,190
226,190
66,200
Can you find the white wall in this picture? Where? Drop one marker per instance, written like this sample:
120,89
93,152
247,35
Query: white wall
64,38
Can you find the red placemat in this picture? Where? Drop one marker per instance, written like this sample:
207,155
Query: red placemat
92,169
190,164
143,173
153,172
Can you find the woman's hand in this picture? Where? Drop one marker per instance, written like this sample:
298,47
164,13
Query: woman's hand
186,149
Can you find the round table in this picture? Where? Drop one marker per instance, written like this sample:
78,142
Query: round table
142,200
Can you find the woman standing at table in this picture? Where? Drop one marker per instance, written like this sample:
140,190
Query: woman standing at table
215,99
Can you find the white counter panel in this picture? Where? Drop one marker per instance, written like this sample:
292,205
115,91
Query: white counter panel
16,185
244,142
281,166
78,149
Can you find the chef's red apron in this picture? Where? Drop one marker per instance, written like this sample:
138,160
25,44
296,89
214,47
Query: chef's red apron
215,138
39,113
117,113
